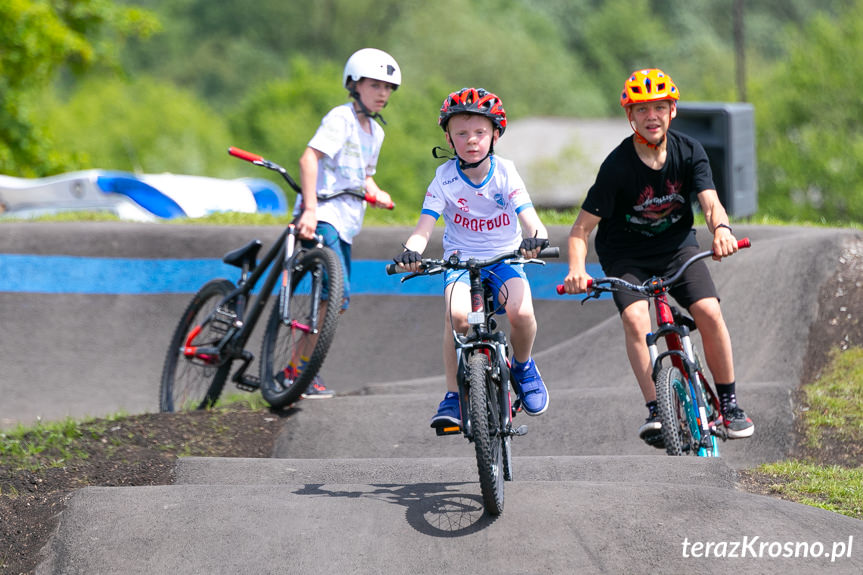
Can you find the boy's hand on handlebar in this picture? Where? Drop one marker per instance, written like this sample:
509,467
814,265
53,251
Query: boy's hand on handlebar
530,247
307,224
409,260
576,282
382,200
724,243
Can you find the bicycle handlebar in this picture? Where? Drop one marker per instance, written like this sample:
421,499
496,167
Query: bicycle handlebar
260,161
429,266
653,286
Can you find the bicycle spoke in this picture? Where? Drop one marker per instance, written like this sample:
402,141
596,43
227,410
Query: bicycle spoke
294,347
191,379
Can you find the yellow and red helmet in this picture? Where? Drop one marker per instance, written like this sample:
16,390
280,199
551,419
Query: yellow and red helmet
648,85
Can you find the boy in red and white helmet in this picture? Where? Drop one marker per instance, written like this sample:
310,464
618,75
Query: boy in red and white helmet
342,155
485,207
642,203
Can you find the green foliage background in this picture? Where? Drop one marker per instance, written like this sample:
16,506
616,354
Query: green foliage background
168,85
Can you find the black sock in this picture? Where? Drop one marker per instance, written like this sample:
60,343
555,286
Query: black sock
651,406
726,393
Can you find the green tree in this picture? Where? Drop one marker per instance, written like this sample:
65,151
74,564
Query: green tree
36,39
142,125
810,124
278,119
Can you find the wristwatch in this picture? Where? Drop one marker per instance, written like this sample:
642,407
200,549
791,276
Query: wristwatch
726,226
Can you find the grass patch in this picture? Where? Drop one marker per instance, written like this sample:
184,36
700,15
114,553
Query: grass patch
45,444
834,416
403,215
836,400
831,487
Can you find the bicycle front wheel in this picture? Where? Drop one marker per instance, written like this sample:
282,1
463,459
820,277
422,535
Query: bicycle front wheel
677,411
487,433
190,383
294,347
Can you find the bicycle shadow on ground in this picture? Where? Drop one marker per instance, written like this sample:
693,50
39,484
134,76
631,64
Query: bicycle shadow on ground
434,509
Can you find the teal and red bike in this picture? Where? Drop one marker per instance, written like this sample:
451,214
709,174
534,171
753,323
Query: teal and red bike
687,403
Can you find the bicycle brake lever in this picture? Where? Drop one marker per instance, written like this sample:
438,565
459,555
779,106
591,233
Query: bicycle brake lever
592,295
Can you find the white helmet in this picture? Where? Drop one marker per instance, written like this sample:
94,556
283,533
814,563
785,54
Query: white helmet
372,63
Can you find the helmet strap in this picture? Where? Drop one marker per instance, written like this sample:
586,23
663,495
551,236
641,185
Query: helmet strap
641,139
441,153
364,109
465,166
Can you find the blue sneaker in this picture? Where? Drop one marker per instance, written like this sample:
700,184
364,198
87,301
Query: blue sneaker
448,412
529,386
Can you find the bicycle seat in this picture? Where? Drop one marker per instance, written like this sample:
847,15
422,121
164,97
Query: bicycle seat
246,254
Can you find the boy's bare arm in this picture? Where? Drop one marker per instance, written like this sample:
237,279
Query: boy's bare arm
309,183
724,242
382,198
419,238
579,235
532,225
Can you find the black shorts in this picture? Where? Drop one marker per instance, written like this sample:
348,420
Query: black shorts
695,284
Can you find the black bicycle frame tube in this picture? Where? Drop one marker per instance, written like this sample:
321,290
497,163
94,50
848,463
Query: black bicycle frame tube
257,307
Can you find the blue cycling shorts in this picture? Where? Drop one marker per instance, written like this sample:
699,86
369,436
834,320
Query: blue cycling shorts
342,248
494,276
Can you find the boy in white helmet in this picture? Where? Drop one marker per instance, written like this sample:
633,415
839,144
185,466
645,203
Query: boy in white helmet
342,155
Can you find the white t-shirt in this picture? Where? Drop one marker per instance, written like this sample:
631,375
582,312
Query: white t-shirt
350,154
481,220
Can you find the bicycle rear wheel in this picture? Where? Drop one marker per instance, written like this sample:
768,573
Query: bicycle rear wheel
299,341
487,433
190,383
677,412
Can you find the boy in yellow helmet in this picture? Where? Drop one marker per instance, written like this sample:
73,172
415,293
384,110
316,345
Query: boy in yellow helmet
642,203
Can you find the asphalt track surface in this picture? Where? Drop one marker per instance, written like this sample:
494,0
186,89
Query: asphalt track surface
359,484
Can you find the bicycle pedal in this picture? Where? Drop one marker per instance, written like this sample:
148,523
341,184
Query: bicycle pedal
452,430
249,383
520,430
516,407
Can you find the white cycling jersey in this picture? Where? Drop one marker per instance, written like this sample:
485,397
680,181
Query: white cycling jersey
481,220
350,155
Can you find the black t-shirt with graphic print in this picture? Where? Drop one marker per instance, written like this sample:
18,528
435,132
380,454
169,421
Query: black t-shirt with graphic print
647,212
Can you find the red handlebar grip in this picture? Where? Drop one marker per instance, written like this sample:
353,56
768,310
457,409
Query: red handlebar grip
372,200
562,290
744,243
244,155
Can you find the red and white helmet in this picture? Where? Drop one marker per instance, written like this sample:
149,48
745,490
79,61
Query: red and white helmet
473,101
372,63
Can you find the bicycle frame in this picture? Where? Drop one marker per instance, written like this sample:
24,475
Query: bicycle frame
242,319
484,339
674,329
484,336
237,314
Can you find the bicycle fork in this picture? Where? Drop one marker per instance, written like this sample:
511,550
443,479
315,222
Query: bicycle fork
285,290
499,368
683,357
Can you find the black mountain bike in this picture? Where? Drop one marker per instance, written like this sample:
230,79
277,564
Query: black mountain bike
216,326
483,374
